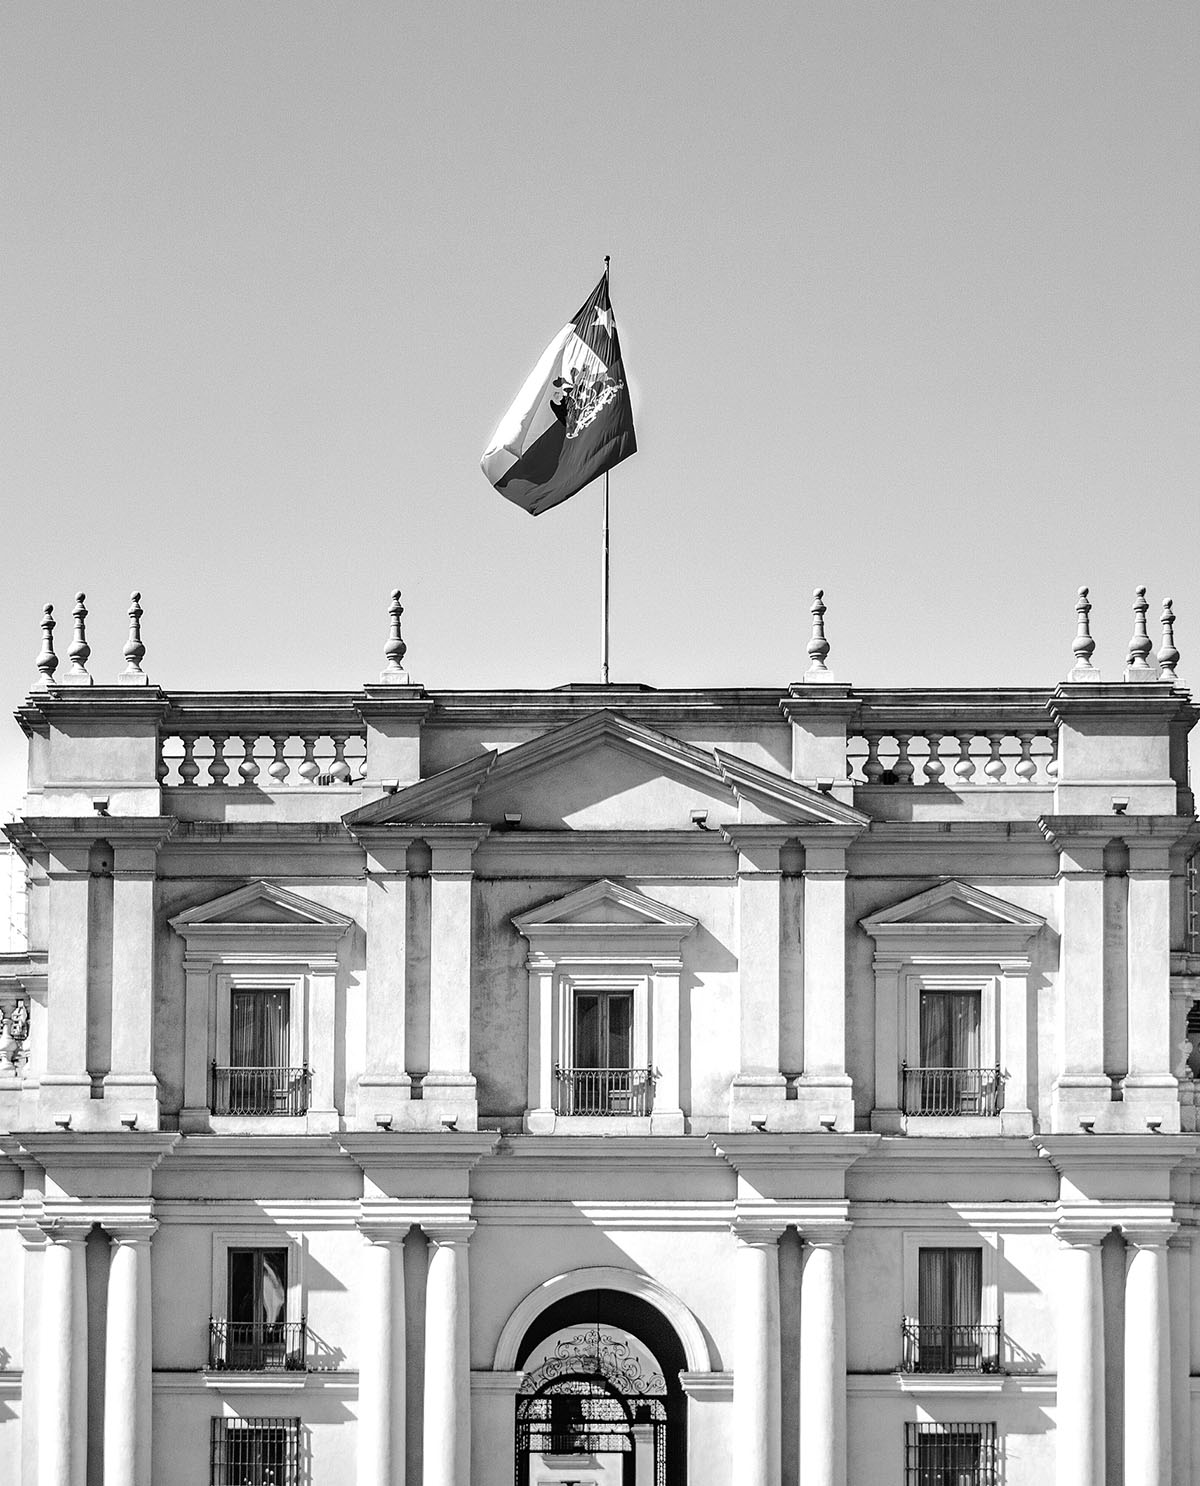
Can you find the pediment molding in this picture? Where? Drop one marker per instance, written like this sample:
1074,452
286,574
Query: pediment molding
605,919
261,911
953,916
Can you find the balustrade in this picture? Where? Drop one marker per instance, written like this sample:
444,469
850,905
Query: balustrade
950,1348
258,1346
260,1091
951,1091
952,758
604,1091
196,758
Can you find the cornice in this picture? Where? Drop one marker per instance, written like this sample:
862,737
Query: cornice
54,831
763,1149
421,1150
101,1150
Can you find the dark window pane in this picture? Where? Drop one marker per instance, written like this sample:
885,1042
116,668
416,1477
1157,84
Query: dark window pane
587,1032
620,1023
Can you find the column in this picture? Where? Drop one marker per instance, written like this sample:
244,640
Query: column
1079,1436
447,1357
65,1085
1179,1267
320,1040
381,1386
131,1078
198,1010
1016,1118
1147,1359
824,1090
758,1089
1150,1086
885,1117
449,1081
62,1374
666,1116
1081,1088
756,1394
539,1099
823,1358
385,1083
127,1355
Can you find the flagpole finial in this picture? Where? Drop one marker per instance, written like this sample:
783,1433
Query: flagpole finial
818,646
394,673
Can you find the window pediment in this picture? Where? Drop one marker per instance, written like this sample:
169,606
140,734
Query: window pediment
259,914
953,917
605,920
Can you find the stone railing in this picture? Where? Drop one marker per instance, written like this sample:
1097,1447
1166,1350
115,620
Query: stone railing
260,743
952,740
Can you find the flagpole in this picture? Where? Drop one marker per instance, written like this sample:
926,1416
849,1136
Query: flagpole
604,575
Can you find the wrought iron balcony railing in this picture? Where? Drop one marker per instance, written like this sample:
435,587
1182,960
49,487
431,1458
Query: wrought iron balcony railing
950,1348
258,1346
260,1091
604,1091
951,1091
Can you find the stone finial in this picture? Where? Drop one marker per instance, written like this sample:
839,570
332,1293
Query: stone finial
133,675
395,648
1168,656
47,661
1083,669
1137,667
818,646
79,649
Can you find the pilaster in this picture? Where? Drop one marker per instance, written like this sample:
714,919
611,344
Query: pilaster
759,1090
449,1086
824,1095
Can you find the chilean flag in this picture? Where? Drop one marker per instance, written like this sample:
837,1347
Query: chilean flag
572,420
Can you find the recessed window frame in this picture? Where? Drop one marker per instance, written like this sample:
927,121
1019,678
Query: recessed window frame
225,1469
988,1241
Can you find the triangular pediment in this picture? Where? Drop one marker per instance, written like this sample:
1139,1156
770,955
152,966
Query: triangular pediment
261,904
604,902
953,906
603,772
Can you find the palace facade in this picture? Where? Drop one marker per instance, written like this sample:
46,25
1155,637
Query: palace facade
603,1085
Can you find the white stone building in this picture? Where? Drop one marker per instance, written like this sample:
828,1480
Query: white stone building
603,1085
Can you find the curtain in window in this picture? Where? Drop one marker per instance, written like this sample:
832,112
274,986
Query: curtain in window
950,1029
258,1029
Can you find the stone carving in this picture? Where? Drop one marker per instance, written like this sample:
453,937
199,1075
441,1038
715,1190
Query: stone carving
596,1354
14,1032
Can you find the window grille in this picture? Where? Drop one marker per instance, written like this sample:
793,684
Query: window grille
950,1455
255,1452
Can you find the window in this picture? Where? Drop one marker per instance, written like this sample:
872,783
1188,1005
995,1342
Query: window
255,1452
259,1078
601,1079
948,1334
950,1078
950,1455
258,1322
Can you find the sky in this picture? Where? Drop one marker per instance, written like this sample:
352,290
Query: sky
907,295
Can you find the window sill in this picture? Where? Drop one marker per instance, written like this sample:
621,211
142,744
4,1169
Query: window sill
960,1126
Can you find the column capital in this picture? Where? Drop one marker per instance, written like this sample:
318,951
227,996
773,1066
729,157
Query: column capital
828,1235
1149,1237
1082,1233
65,1230
131,1230
384,1231
757,1232
447,1234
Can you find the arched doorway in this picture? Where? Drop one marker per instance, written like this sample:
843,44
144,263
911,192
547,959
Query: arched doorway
601,1403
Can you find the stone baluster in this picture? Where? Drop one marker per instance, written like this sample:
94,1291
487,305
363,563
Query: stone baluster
79,648
818,646
63,1348
756,1380
339,769
189,769
395,650
47,661
964,764
127,1376
823,1357
278,769
1080,1432
903,768
872,768
248,768
447,1357
161,767
1051,764
1147,1359
1137,668
1026,766
995,768
309,769
381,1399
934,768
135,651
1083,669
218,769
1168,656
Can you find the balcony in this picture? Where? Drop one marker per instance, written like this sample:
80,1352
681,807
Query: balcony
948,1349
604,1091
271,1092
258,1346
951,1091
